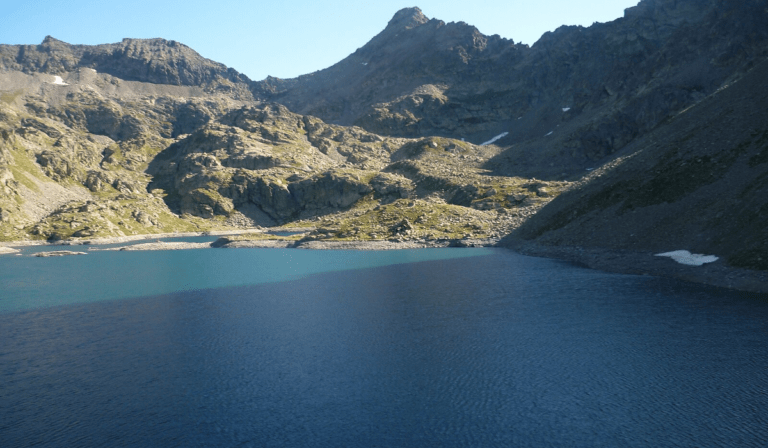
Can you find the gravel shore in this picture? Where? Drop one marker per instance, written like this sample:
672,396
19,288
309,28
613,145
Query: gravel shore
356,245
646,263
159,245
123,239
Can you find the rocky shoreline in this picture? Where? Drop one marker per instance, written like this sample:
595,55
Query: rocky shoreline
357,245
226,240
125,239
716,274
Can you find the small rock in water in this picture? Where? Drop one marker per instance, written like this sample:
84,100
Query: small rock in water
59,253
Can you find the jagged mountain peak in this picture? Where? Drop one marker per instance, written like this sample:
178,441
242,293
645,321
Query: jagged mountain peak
407,18
52,41
497,87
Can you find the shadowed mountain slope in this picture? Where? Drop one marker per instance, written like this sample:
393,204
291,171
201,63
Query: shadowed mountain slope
699,182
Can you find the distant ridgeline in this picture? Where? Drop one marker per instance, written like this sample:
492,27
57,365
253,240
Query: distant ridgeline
653,126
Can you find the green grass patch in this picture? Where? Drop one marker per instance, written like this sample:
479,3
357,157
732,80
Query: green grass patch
23,167
263,237
426,219
9,97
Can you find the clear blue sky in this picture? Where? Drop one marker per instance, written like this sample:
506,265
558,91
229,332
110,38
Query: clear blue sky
280,38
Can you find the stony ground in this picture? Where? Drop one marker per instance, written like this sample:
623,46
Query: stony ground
246,167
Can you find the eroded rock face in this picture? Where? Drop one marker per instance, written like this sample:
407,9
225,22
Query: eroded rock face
329,191
287,165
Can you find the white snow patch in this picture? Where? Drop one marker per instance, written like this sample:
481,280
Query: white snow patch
550,133
493,140
685,257
58,81
566,109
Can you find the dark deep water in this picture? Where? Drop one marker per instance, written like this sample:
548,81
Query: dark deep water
433,348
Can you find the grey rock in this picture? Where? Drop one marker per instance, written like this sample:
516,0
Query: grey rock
58,253
403,227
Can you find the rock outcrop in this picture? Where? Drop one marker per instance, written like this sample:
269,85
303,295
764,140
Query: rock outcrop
278,167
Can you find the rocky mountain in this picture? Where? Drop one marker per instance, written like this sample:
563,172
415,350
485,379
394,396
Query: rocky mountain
90,154
156,61
429,131
589,91
699,181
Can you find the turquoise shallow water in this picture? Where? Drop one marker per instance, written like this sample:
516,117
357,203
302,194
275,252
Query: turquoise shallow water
425,348
32,282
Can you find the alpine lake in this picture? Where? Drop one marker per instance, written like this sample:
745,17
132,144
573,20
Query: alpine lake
459,347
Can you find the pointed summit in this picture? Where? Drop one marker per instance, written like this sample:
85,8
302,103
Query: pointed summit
51,42
407,18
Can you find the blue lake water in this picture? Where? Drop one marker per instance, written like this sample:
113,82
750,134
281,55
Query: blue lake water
422,348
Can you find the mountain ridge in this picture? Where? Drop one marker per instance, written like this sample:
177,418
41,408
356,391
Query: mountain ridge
156,61
450,80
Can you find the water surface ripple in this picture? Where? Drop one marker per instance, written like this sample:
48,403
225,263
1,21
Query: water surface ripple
494,349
